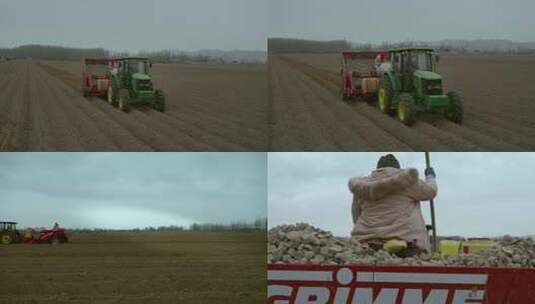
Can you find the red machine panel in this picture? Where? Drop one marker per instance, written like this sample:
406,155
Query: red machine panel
367,284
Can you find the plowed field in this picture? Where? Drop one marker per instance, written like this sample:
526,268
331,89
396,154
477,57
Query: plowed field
146,267
209,108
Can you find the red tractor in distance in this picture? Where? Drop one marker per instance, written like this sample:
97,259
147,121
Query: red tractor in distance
95,76
359,75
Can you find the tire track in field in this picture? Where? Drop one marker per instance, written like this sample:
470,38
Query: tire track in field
306,132
8,123
355,123
71,108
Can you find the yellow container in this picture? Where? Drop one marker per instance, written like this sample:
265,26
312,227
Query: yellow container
102,85
28,234
370,85
395,245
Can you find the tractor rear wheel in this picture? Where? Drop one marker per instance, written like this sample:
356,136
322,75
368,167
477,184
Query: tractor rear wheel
112,97
384,95
123,101
6,239
454,112
159,101
406,109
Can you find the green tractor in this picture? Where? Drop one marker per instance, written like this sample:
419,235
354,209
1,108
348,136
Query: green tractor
9,233
131,84
412,85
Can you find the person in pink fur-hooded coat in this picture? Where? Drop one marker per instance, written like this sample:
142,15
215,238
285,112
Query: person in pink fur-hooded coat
386,205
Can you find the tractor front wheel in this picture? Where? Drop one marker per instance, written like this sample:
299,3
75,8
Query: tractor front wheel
406,109
454,112
159,101
123,101
384,95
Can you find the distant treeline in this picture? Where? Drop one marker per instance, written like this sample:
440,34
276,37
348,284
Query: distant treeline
170,56
290,45
44,52
259,224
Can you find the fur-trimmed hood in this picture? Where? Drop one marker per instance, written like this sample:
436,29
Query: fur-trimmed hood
382,182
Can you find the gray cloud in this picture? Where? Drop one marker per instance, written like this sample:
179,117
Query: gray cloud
390,20
480,194
136,24
131,189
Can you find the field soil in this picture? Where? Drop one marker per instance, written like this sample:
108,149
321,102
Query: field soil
308,114
145,267
209,108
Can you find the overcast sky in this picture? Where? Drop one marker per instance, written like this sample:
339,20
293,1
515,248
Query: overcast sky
127,190
479,194
245,24
390,20
136,24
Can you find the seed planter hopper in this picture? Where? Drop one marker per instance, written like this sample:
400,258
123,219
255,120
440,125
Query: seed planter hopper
358,75
367,284
95,76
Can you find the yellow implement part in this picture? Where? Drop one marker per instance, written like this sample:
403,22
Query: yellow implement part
28,234
395,246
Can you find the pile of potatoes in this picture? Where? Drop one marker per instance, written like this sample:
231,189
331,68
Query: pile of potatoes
304,244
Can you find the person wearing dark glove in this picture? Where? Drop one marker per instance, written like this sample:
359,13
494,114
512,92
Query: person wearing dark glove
430,172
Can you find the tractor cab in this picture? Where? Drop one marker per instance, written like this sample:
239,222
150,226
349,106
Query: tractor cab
8,226
413,59
131,84
416,66
135,73
131,65
413,85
